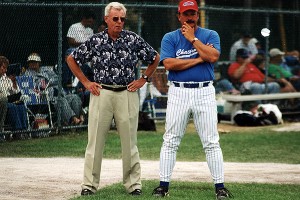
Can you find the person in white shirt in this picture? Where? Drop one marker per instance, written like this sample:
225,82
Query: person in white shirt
79,32
243,43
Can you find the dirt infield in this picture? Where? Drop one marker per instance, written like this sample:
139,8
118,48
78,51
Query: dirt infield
60,178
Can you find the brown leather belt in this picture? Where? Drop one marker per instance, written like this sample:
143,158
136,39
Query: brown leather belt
113,88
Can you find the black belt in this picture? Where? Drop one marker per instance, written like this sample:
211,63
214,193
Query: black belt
115,89
192,85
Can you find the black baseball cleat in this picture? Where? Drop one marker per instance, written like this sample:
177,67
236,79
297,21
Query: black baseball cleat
86,192
160,191
136,192
223,193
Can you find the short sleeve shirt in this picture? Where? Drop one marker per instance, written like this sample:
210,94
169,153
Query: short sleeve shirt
175,45
79,32
278,71
114,62
251,73
251,48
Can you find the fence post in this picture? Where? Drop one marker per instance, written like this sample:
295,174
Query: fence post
267,54
59,68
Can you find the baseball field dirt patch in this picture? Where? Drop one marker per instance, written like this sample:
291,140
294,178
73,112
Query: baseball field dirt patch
60,178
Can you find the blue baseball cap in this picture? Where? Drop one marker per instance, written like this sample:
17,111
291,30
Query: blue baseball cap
242,53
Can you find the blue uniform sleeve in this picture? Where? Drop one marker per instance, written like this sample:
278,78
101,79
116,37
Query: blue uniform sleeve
215,40
167,48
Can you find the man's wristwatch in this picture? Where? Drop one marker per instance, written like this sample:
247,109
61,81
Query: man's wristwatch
145,77
194,40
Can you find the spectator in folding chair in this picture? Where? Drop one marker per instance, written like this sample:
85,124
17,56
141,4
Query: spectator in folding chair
16,110
70,104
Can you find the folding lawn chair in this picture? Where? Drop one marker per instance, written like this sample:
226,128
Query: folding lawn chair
35,98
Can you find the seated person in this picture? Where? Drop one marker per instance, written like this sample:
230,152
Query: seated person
276,70
16,111
291,62
285,85
249,76
225,86
70,104
222,83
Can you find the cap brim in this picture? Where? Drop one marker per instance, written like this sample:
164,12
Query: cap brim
183,10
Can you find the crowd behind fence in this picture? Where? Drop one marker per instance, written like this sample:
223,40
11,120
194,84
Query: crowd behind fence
42,28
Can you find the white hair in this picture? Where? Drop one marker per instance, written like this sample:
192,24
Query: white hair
114,5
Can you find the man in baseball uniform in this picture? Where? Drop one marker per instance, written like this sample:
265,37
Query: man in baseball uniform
188,53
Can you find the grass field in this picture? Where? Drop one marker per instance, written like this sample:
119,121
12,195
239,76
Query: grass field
243,145
259,144
203,191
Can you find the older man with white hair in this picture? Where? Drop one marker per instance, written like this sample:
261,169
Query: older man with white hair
114,53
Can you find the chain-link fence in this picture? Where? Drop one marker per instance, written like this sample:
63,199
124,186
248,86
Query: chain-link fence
42,28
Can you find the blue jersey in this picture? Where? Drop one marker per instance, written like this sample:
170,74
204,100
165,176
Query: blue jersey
175,45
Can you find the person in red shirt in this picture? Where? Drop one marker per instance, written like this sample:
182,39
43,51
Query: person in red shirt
250,78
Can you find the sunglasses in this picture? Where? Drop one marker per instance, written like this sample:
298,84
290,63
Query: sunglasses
116,19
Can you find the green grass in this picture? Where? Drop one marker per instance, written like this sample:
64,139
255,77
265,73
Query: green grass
244,145
203,191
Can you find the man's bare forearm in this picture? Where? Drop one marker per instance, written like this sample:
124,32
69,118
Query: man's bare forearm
181,64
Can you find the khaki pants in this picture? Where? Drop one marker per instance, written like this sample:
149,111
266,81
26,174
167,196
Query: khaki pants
124,107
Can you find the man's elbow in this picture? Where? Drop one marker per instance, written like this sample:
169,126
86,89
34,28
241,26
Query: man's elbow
157,58
68,59
168,65
214,59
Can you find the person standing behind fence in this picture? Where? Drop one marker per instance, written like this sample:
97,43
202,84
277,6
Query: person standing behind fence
79,32
243,43
189,53
114,54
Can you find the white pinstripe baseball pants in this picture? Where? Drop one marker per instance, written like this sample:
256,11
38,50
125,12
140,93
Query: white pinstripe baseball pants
201,104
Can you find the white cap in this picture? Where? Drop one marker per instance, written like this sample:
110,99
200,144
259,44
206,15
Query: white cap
34,57
275,52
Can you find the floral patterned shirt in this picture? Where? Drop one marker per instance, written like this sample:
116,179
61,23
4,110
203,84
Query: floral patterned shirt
113,62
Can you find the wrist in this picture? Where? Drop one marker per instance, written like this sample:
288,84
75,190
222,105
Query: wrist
194,40
145,77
